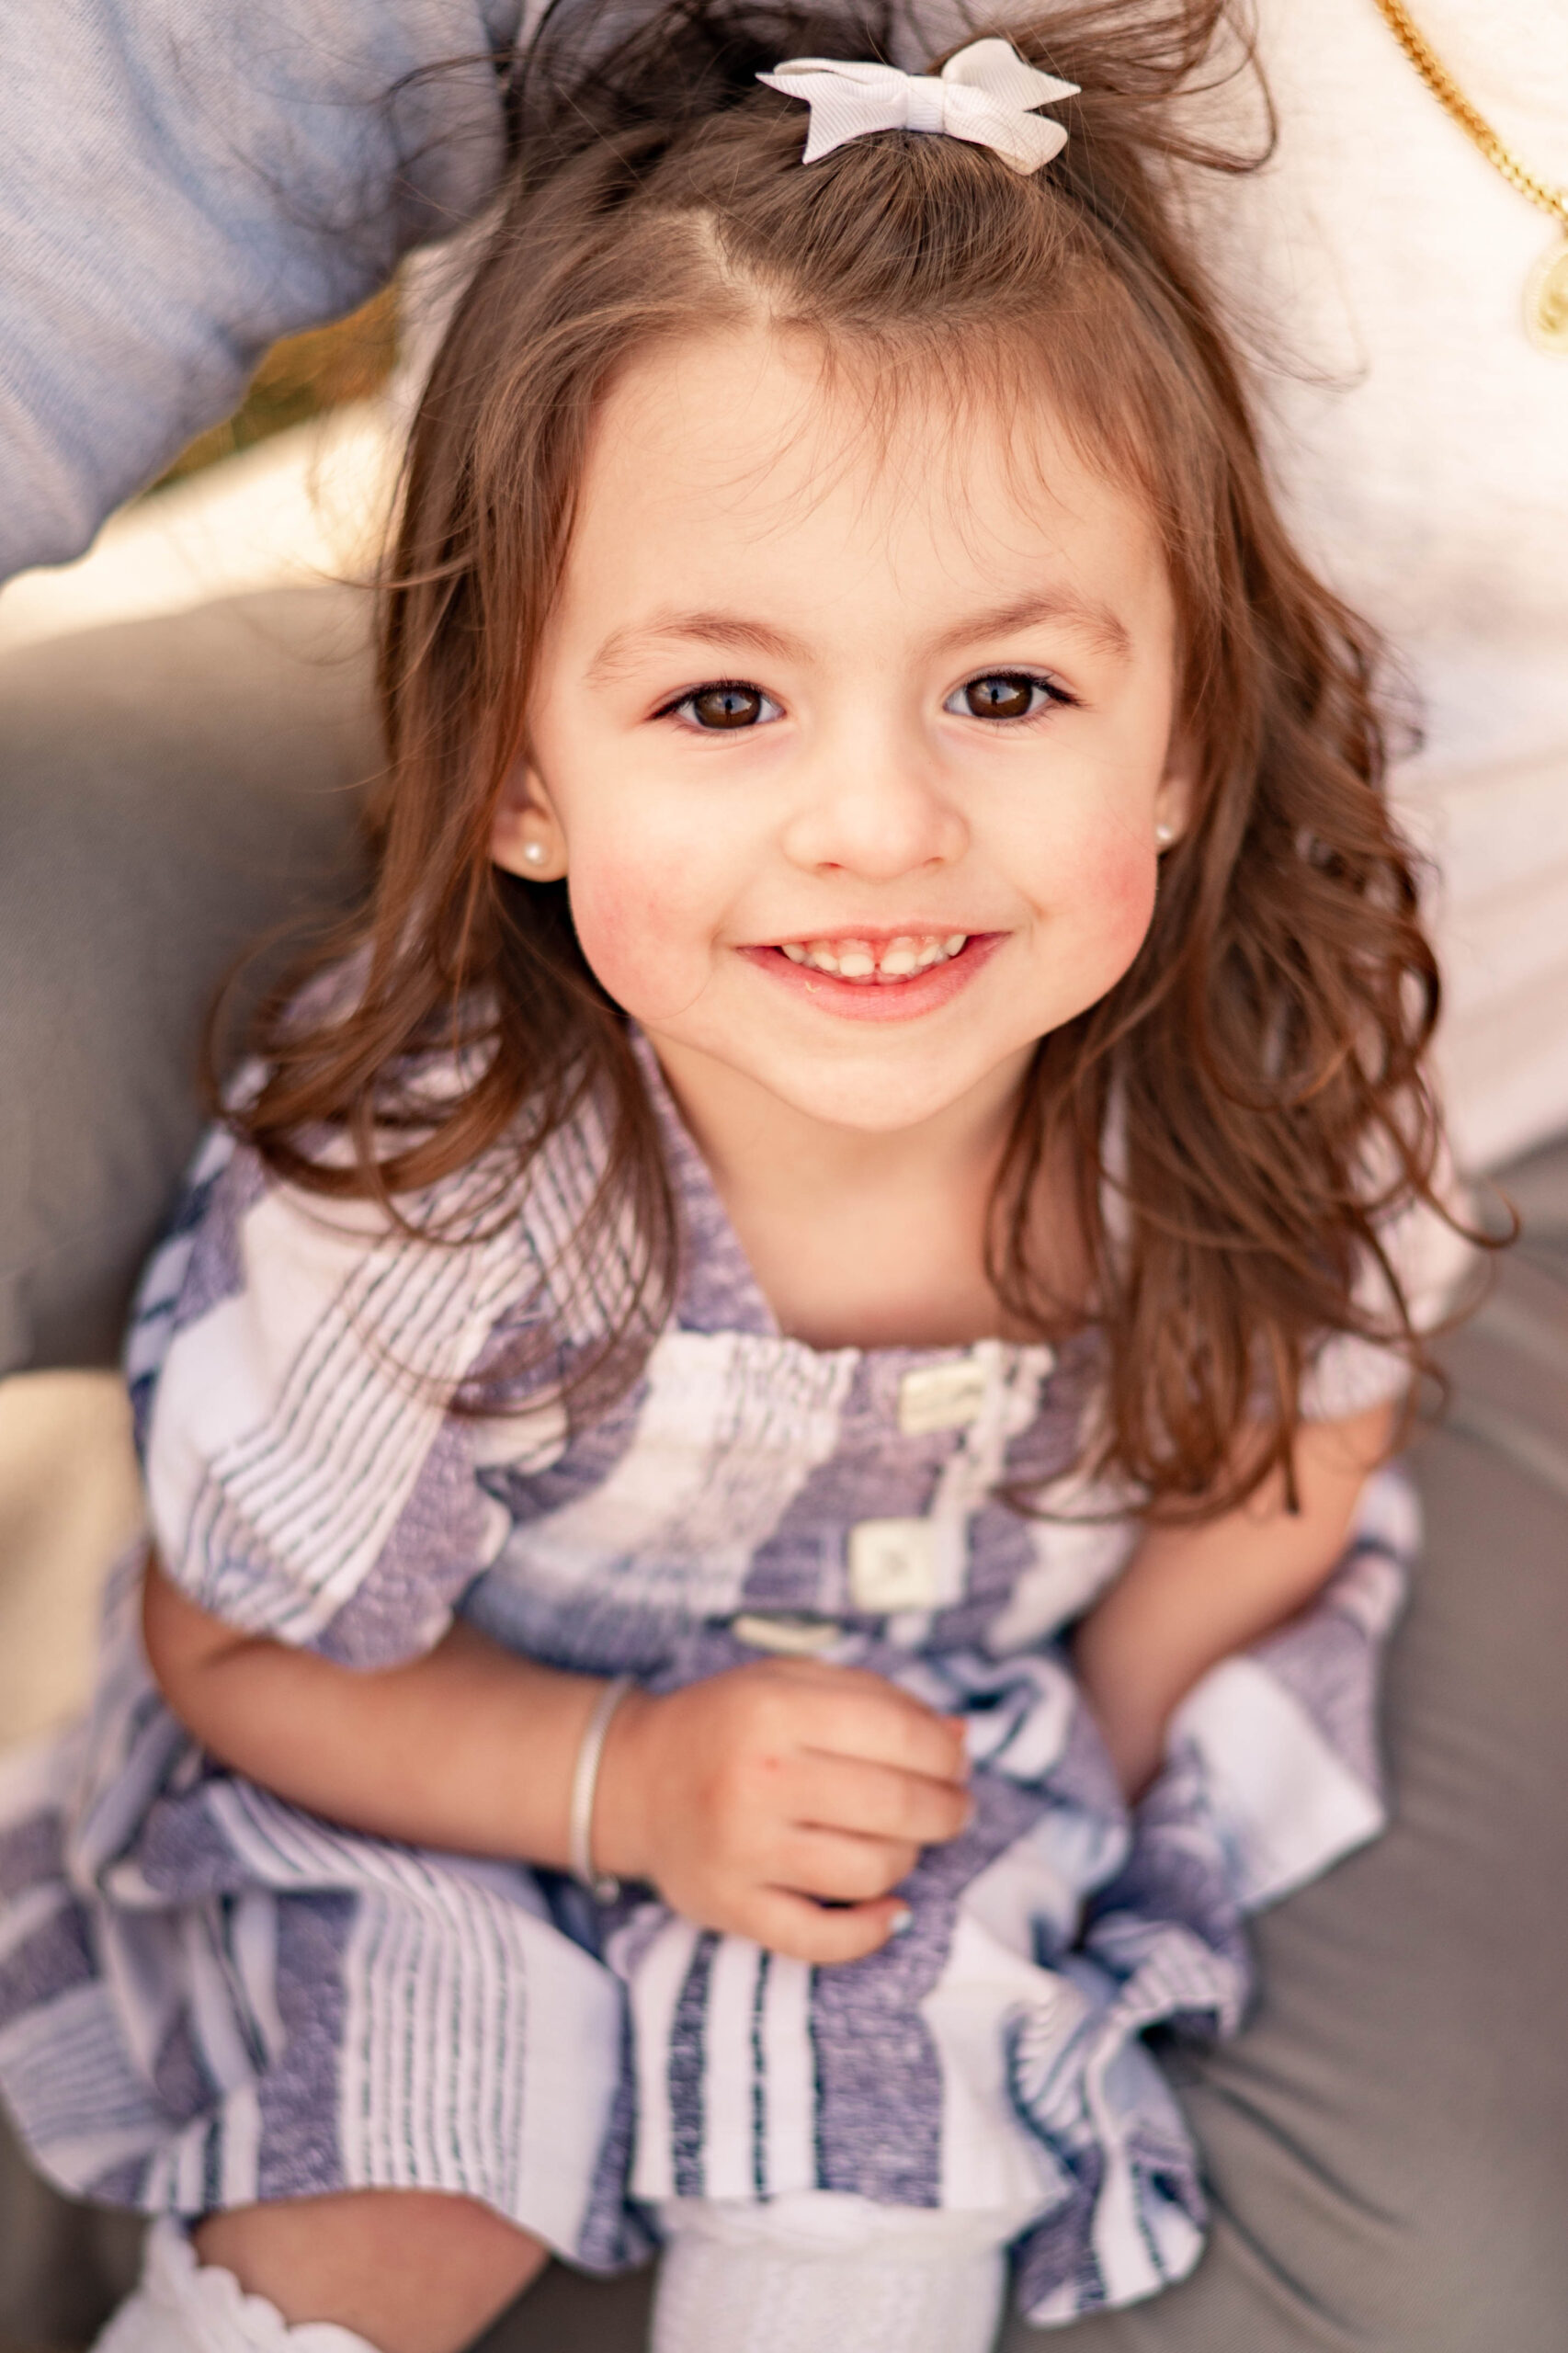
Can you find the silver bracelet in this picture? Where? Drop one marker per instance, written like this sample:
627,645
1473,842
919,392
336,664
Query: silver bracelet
585,1783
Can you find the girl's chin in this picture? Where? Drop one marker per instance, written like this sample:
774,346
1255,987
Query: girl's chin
869,1093
879,1001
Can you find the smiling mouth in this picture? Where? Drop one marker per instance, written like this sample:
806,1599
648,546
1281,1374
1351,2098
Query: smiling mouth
872,964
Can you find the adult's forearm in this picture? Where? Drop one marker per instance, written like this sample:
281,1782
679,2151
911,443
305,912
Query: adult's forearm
181,184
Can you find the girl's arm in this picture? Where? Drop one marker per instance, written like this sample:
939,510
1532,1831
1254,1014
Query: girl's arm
744,1799
1192,1595
469,1748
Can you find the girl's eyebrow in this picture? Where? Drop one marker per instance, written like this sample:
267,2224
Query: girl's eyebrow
1093,620
621,647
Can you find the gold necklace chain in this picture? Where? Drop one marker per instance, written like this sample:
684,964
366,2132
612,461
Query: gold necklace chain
1546,297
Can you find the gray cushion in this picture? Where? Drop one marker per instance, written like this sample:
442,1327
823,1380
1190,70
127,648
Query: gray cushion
169,790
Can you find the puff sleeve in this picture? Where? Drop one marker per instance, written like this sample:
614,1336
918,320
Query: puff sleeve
292,1365
1432,1260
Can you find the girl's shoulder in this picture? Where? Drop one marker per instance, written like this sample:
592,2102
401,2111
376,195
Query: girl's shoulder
251,1260
1426,1271
312,1372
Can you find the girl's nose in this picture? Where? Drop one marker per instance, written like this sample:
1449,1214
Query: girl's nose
878,810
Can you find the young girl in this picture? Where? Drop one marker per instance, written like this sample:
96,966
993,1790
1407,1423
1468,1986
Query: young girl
805,1313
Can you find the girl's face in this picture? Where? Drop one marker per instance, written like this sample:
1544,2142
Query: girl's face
853,753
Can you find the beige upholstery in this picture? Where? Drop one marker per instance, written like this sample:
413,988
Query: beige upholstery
69,1500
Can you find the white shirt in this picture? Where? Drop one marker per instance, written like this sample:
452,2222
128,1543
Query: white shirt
1420,442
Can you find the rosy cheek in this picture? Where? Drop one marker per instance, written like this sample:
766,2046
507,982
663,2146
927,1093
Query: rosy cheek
1105,891
641,936
1129,877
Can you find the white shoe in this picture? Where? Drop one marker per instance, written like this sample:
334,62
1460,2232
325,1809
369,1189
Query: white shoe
183,2306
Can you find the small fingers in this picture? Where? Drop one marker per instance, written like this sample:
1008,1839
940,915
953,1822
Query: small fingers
860,1714
802,1930
875,1801
843,1869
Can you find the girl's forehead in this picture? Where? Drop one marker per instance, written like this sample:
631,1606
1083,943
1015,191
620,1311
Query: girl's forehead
758,446
759,406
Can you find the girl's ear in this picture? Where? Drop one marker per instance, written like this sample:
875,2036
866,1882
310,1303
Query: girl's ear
526,837
1175,795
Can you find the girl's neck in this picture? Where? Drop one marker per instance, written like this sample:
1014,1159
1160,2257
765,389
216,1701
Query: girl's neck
857,1239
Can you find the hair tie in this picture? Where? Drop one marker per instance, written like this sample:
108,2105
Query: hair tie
986,94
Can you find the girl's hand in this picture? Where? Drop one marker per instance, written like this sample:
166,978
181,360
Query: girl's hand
748,1799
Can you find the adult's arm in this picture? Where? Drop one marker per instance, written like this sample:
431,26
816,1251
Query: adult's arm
183,181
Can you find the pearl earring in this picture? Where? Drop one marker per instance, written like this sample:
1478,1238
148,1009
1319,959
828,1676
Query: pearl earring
1164,834
534,852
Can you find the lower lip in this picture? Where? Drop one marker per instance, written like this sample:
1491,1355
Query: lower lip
879,1000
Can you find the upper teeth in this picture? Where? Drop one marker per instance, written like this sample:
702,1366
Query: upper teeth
864,959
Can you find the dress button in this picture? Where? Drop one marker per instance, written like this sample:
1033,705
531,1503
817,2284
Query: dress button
894,1564
786,1636
941,1397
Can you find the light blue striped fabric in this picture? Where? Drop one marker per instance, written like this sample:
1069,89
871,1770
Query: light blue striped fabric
208,1996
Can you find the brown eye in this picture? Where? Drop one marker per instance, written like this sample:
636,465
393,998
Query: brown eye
1004,693
726,706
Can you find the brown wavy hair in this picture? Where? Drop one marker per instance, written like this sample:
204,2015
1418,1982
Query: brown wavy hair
1263,1054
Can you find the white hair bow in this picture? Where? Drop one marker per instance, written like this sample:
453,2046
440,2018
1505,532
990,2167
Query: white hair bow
986,94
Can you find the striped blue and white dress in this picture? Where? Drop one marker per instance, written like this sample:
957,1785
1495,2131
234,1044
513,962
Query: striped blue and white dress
209,1997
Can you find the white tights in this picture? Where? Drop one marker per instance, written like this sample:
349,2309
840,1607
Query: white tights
820,2269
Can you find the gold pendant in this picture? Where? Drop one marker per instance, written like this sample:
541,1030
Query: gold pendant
1546,302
